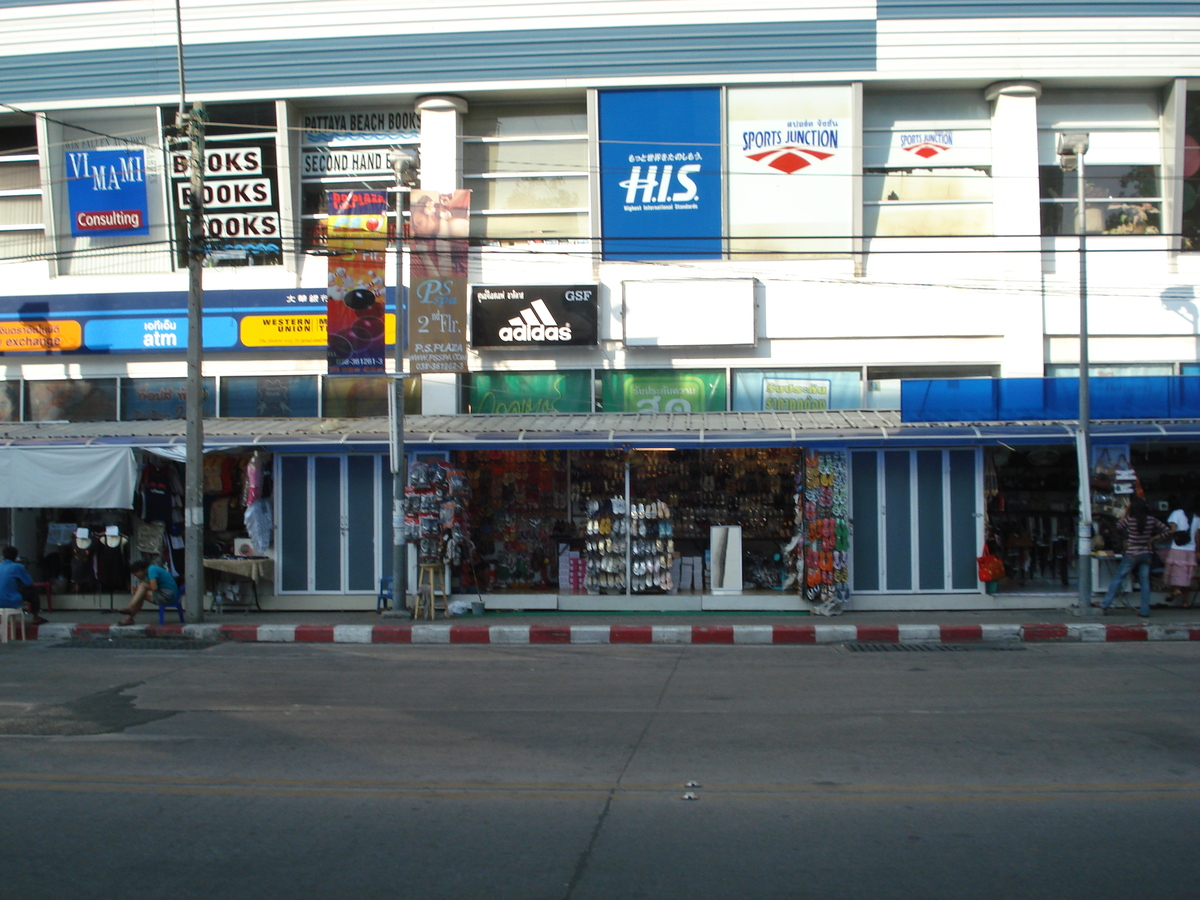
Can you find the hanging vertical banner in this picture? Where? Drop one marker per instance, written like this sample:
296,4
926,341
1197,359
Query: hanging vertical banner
437,300
357,236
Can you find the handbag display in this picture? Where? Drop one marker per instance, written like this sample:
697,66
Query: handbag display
991,568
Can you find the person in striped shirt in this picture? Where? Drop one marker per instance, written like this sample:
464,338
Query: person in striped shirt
1140,530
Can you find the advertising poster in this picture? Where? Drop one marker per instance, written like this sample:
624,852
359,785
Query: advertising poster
504,316
155,399
795,393
106,191
531,392
791,170
660,174
662,391
357,229
437,300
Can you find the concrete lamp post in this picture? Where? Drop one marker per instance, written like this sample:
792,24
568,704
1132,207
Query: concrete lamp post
404,163
1072,147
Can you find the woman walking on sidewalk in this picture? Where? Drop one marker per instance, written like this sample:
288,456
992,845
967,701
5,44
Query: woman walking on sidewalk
1140,530
1181,558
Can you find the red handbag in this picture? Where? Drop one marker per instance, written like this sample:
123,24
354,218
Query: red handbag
991,568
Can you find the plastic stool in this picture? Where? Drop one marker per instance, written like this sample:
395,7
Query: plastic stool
385,598
6,615
177,606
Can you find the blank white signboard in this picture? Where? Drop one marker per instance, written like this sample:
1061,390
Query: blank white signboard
703,312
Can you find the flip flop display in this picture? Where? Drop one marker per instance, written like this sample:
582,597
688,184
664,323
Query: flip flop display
643,531
819,553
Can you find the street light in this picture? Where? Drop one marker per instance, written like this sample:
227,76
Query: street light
1072,147
404,162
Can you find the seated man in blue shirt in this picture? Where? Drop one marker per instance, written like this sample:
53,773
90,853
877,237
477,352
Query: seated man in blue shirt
13,578
154,584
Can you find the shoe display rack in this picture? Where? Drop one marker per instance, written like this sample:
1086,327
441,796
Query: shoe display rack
821,553
607,545
652,547
628,545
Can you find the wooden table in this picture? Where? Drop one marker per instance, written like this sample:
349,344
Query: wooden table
252,569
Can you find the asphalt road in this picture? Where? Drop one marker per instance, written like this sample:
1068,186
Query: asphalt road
1056,771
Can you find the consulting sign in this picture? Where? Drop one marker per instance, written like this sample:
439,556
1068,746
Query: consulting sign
660,173
106,190
534,315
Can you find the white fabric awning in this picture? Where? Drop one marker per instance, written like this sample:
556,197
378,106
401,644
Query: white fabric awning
82,477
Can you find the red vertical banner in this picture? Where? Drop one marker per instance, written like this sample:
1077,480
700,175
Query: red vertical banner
437,301
357,235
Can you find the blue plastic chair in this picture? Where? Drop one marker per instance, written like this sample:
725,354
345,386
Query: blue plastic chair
177,606
384,599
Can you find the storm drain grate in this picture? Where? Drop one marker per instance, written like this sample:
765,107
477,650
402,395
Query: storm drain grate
138,643
925,647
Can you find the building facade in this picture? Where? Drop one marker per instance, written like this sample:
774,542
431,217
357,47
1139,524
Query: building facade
781,211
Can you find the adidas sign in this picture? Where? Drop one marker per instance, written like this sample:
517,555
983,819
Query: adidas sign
533,324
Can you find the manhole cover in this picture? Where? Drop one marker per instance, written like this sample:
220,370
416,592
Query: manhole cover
138,643
924,648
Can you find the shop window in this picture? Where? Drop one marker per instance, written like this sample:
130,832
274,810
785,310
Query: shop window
796,389
915,520
345,148
334,523
82,400
926,164
162,398
22,231
358,396
662,391
1122,168
10,401
530,392
1191,174
1099,370
527,168
883,382
269,396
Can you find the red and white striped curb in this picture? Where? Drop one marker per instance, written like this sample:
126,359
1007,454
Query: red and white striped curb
638,634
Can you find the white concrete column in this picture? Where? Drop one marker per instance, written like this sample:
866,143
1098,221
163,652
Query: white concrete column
441,171
1016,217
441,142
1015,156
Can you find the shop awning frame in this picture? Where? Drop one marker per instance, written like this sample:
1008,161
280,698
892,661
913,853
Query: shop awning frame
866,428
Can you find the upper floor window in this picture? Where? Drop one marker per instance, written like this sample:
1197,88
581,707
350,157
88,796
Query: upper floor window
927,164
1191,174
1122,167
22,231
527,168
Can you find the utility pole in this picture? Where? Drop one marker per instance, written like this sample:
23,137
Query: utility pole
404,164
193,572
